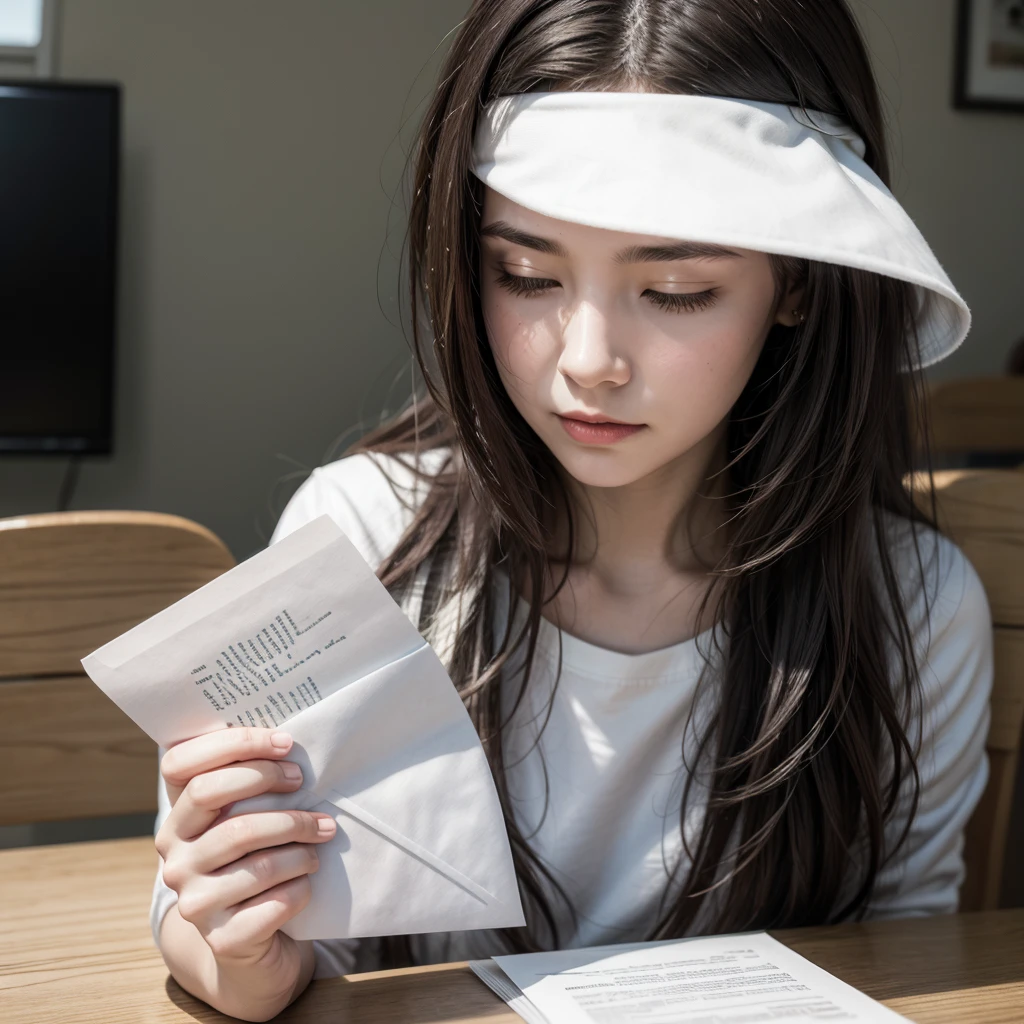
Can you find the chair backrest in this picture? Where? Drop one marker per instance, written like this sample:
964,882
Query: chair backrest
69,582
976,414
983,512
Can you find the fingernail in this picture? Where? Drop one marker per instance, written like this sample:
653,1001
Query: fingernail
291,771
325,826
281,740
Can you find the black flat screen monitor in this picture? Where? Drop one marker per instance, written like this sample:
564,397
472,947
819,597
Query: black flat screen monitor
59,174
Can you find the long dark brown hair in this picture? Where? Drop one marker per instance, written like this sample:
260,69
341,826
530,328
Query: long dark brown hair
808,753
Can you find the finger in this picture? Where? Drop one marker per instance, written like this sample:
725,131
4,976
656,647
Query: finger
229,840
207,794
185,760
253,923
203,899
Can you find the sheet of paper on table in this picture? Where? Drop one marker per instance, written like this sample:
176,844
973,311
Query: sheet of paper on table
304,636
711,980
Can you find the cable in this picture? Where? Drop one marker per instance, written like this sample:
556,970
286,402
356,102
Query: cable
67,485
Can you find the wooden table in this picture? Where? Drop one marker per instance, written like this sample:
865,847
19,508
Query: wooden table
70,953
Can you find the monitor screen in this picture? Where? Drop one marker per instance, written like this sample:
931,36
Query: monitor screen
59,162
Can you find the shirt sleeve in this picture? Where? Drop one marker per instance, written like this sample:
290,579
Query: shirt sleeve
954,650
372,500
163,897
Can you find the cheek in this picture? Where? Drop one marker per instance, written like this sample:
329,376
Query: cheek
523,344
705,373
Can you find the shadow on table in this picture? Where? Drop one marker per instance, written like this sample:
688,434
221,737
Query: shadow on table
190,1006
432,995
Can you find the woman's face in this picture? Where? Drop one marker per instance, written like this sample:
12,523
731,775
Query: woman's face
623,352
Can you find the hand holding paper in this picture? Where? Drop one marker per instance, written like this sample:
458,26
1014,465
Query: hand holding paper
305,634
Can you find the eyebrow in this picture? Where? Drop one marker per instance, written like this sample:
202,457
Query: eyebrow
675,251
501,229
633,254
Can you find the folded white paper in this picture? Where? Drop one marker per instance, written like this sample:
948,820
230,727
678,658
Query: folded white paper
303,635
719,979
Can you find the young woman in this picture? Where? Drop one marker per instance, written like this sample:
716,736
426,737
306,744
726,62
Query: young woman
650,509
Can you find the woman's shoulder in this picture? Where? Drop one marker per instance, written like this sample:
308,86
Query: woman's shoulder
941,589
951,626
371,496
949,618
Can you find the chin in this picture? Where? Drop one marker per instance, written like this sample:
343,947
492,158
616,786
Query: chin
604,467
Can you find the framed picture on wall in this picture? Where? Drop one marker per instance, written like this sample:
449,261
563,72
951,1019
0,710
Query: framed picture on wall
990,55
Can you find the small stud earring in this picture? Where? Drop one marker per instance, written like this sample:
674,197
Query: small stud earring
801,316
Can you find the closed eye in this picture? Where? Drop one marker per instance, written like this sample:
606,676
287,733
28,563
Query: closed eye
672,302
679,302
519,285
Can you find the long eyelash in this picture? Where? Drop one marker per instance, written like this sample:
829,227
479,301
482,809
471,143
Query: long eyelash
518,285
677,303
674,303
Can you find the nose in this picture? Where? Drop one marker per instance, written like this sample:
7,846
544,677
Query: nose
588,354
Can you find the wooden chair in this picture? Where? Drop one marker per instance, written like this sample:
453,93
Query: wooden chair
983,512
976,415
69,582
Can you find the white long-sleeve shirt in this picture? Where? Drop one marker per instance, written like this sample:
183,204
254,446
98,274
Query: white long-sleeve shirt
613,743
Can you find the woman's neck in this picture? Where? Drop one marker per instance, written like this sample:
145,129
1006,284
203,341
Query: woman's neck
640,568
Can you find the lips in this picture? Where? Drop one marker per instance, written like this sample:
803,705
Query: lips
595,417
598,430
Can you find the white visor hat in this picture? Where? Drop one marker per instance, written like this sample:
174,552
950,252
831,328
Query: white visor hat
760,176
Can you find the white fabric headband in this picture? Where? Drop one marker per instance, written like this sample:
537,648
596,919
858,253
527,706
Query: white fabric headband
759,176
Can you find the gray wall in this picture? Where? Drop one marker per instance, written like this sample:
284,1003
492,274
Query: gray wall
957,172
263,141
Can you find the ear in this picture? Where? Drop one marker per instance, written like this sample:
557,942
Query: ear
790,312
